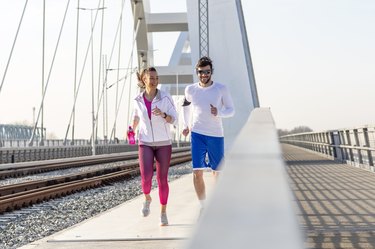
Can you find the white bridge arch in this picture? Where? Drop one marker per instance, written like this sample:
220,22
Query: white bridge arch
228,47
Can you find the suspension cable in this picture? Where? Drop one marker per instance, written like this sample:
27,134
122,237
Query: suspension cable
80,79
14,43
130,87
100,65
110,59
43,67
118,63
123,87
49,74
75,70
114,42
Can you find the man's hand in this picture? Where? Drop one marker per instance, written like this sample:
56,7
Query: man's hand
213,110
185,132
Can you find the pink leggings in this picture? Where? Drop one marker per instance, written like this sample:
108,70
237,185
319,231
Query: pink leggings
162,155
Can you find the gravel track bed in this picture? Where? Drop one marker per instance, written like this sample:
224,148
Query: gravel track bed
21,227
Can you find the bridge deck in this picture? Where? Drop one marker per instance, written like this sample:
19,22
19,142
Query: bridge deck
123,226
336,201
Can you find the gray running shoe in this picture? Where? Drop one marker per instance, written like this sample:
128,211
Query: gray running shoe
163,219
146,208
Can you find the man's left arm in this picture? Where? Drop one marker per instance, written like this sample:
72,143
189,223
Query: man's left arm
227,109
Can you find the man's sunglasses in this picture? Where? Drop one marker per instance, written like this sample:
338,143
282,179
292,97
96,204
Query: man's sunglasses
204,71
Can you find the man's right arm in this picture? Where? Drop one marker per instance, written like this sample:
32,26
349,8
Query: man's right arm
186,110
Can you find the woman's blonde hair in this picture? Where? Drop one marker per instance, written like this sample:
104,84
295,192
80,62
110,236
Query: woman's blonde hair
142,74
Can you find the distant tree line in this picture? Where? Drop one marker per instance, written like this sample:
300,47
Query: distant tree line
295,130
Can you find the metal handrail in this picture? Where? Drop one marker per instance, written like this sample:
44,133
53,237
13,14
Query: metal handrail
355,146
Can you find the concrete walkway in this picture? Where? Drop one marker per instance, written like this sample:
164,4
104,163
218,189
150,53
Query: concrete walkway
336,201
124,227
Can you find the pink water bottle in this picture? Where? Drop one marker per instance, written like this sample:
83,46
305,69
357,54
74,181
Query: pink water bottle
131,138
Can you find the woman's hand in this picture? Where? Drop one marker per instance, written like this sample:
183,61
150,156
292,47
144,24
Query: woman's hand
157,112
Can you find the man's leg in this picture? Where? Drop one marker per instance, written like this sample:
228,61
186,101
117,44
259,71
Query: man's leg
199,186
215,153
198,154
216,175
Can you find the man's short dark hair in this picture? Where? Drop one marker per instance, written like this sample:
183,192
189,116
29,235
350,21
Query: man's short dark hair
204,61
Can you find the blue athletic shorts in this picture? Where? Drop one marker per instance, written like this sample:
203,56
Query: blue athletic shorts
202,145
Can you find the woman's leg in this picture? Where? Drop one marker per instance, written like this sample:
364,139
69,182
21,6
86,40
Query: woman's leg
146,166
163,159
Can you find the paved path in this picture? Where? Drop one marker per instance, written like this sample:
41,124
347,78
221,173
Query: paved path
336,204
123,226
336,201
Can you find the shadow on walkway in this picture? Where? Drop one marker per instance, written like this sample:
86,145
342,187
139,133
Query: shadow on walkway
336,201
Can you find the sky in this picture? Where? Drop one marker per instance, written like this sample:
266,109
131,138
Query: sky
313,60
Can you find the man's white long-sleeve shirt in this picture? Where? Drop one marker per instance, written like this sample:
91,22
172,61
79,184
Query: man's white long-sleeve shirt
197,116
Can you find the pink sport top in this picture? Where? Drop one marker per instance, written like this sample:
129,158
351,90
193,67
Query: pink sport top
148,106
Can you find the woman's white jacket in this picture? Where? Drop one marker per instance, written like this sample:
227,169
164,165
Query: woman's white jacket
155,131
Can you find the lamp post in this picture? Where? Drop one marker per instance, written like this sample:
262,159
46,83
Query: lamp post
178,124
33,114
93,138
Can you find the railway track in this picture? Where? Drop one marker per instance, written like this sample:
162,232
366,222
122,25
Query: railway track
17,196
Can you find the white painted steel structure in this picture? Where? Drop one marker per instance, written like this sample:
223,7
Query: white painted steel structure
251,205
228,48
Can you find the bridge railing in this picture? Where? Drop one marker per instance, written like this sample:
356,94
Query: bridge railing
25,154
355,146
17,143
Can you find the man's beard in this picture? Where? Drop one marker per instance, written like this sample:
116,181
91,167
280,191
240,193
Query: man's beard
206,81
